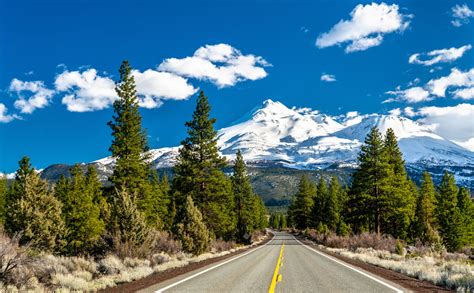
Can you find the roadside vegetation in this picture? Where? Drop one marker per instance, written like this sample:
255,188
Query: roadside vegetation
384,218
78,234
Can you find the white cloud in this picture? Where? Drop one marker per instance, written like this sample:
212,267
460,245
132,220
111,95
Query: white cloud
461,14
86,91
439,56
4,116
410,95
328,77
450,122
221,64
366,28
463,81
465,93
38,95
456,78
395,112
155,86
408,111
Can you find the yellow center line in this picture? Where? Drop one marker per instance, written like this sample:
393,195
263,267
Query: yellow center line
276,277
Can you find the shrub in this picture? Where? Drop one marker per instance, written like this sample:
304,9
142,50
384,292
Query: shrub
192,231
221,245
12,261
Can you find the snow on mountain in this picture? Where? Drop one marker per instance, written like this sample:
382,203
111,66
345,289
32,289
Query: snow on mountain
304,138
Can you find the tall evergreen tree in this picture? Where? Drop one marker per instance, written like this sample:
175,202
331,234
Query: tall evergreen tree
371,182
300,209
198,173
33,211
466,207
319,209
424,224
192,231
401,199
260,213
129,139
450,221
155,204
80,212
332,206
244,200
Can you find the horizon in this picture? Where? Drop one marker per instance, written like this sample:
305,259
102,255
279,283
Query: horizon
56,97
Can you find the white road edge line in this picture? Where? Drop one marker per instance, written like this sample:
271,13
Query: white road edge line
211,268
350,267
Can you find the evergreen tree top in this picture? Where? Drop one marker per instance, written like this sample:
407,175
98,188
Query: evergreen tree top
24,169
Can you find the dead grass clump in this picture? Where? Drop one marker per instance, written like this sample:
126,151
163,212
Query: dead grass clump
221,245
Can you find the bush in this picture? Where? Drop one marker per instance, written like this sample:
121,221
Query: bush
192,231
399,249
12,260
221,245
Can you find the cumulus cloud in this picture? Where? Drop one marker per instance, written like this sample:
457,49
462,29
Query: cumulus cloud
450,122
410,95
87,91
461,15
155,86
395,112
439,56
220,64
32,95
328,77
4,116
462,81
366,28
456,78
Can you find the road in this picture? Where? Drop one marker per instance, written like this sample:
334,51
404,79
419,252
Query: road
282,265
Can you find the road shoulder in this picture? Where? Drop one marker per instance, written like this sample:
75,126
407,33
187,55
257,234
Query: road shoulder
412,284
160,277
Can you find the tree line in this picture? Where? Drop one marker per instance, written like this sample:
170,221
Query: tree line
383,199
79,216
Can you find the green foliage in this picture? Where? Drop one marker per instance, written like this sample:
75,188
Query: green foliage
80,198
399,249
198,173
278,221
300,209
129,224
466,208
400,196
192,232
33,211
245,204
371,182
129,139
3,195
424,223
156,203
259,213
450,220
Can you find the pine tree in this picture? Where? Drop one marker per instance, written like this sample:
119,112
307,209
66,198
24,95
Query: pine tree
300,209
332,205
33,211
130,141
156,203
94,186
319,207
192,231
466,208
449,217
80,212
244,200
370,185
401,200
424,224
198,173
260,213
130,225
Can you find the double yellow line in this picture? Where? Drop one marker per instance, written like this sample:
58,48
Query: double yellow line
276,277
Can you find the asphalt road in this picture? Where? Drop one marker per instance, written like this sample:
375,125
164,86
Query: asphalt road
284,265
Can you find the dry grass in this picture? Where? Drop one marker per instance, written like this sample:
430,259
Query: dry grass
45,273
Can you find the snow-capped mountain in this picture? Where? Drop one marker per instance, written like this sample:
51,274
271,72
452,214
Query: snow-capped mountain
303,138
273,134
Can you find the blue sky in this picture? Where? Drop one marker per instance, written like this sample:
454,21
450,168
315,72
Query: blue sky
59,59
